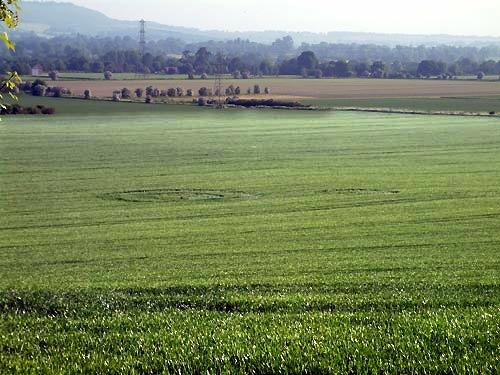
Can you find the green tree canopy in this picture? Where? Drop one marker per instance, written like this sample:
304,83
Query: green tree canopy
307,60
9,17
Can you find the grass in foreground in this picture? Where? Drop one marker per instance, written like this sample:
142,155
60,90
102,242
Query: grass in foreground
189,240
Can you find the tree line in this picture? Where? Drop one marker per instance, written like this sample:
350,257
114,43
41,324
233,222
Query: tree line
245,58
204,95
308,65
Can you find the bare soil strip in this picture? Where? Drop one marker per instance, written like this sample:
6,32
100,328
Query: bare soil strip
311,88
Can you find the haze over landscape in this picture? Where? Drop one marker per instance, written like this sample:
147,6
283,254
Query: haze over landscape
462,17
189,21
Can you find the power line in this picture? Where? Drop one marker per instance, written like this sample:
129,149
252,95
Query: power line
219,75
141,69
142,37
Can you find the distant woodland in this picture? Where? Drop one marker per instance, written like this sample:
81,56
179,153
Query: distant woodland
77,53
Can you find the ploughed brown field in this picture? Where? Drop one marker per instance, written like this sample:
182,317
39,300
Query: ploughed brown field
309,88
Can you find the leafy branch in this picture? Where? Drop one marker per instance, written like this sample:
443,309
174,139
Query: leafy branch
9,17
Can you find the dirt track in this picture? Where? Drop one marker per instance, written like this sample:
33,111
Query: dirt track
301,88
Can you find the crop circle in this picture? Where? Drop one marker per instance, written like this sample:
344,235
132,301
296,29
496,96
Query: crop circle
177,195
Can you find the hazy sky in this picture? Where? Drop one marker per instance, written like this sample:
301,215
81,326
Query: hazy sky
463,17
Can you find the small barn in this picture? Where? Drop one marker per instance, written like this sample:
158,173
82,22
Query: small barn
37,70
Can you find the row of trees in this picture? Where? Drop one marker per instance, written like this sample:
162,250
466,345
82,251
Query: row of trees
89,47
307,64
88,54
153,92
404,54
41,88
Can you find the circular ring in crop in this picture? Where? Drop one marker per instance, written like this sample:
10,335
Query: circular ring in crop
177,195
360,191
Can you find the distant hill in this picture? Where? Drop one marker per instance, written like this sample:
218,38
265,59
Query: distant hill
52,18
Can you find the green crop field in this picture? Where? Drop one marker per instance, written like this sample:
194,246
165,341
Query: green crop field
472,104
176,239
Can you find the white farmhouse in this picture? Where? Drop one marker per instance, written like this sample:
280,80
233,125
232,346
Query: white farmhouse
37,70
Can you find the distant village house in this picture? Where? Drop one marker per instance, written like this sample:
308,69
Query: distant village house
37,70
